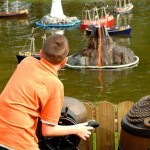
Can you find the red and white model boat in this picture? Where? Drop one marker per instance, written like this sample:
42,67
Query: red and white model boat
96,16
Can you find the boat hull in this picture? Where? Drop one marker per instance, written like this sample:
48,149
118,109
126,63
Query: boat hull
107,21
21,57
119,31
21,13
113,31
60,25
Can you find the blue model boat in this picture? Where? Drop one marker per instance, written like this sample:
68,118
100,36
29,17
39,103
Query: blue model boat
118,29
57,19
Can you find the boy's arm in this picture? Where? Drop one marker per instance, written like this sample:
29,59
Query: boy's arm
82,130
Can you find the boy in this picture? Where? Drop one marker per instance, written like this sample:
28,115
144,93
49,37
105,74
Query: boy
33,91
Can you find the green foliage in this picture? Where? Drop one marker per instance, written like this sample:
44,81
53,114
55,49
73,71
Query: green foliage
116,141
94,141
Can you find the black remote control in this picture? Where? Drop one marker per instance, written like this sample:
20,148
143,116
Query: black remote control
93,124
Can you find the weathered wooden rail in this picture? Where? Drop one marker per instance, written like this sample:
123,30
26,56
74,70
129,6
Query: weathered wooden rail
109,116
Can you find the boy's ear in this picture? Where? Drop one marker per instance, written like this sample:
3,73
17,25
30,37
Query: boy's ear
64,62
41,53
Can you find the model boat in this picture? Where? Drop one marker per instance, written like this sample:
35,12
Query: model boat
29,47
15,8
123,6
57,19
119,28
96,16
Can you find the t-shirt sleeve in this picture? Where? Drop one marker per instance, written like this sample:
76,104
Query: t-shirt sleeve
52,110
53,104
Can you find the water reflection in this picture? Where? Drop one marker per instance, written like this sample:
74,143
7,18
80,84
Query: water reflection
12,31
96,84
107,79
14,22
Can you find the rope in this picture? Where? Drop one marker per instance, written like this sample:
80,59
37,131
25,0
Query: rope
140,111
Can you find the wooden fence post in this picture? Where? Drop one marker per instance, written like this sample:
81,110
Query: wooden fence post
122,110
105,134
90,117
104,113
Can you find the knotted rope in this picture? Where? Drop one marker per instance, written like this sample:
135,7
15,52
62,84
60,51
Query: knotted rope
140,112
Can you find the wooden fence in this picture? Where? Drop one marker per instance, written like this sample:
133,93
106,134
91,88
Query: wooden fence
109,116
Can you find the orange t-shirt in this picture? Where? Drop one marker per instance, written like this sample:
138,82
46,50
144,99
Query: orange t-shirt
33,90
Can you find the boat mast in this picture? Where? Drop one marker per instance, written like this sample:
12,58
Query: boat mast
120,3
56,9
103,13
17,9
124,3
7,8
117,21
32,44
95,14
44,37
116,4
87,15
86,12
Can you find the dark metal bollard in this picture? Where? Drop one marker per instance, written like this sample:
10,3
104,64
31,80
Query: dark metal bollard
73,112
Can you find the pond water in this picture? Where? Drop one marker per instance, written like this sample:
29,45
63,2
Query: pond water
86,85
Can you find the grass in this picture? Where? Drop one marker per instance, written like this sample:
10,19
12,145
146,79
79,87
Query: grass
116,141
